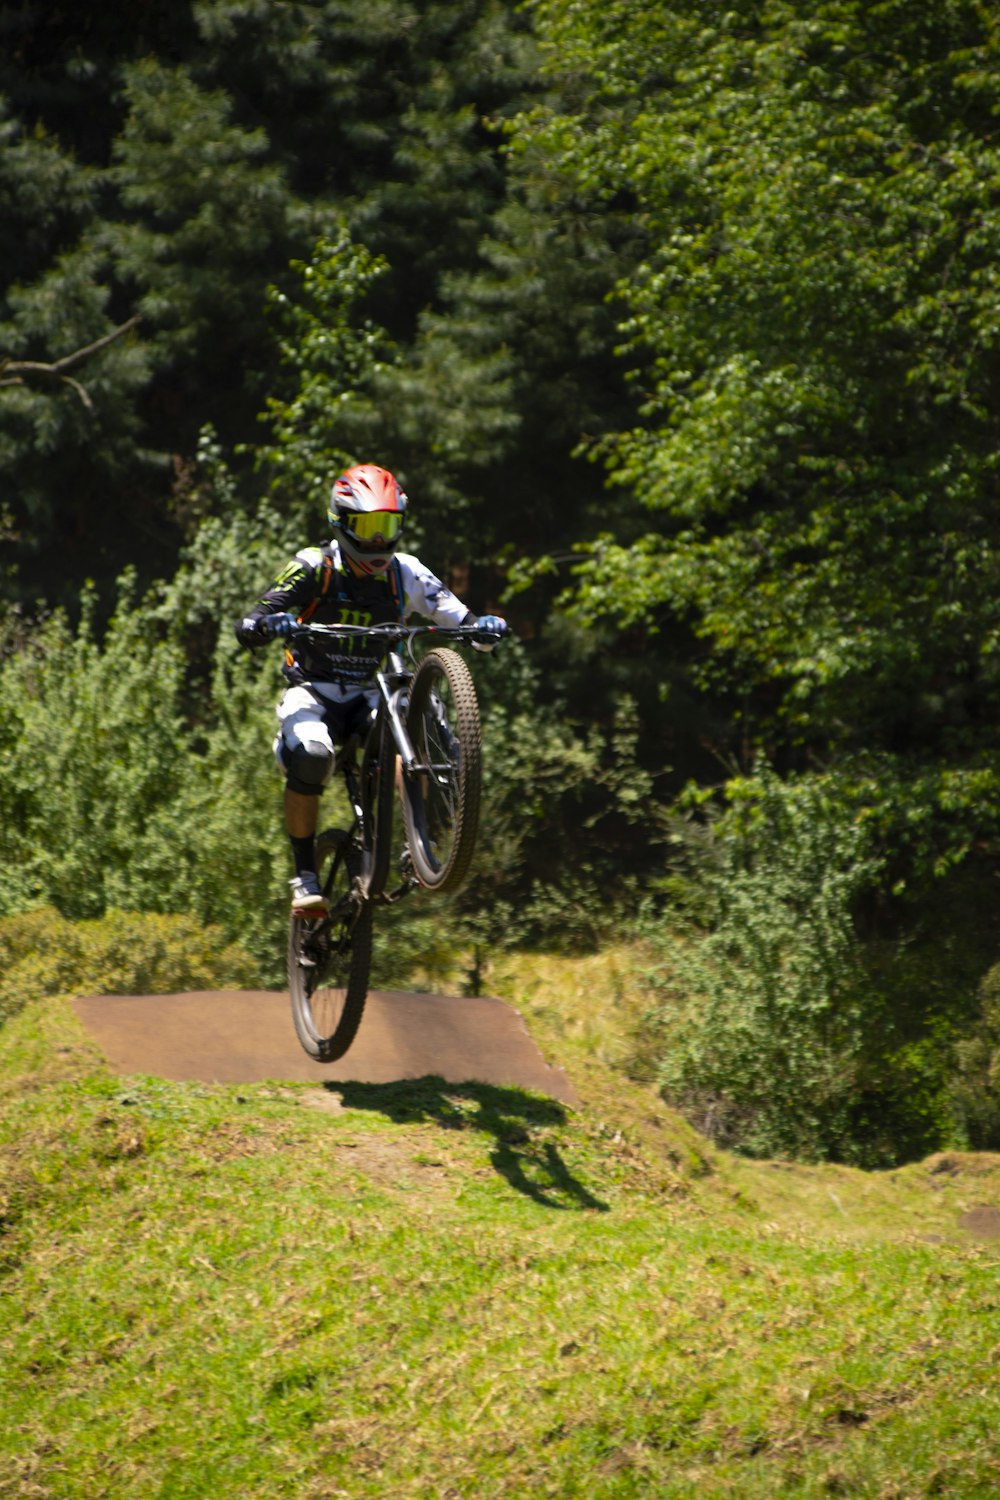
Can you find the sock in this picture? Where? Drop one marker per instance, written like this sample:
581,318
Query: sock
304,853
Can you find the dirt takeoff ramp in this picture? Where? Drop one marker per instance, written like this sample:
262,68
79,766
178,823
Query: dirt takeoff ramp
246,1036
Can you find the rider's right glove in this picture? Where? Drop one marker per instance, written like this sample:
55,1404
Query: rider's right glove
495,625
274,625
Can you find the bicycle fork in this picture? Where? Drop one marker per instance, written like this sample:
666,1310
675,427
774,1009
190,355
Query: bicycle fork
392,707
393,700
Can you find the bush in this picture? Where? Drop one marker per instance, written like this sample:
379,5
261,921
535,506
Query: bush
132,779
762,1027
121,953
806,1010
126,785
975,1087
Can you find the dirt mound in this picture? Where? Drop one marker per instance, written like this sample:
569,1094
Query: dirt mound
246,1036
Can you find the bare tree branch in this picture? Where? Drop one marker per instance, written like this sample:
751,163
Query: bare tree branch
13,370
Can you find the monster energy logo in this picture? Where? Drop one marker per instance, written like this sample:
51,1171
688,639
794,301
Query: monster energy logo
354,617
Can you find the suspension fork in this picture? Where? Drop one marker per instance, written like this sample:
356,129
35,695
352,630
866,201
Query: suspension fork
392,686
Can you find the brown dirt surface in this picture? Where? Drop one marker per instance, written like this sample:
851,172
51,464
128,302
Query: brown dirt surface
982,1223
247,1036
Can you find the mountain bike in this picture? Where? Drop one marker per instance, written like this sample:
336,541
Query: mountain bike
423,737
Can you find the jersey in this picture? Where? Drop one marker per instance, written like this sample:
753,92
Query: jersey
319,588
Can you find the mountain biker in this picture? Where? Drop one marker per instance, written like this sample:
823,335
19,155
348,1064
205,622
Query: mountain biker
357,578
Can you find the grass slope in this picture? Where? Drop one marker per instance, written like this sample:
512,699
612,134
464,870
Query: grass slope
423,1290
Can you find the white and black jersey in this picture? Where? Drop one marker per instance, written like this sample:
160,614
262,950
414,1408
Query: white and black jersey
318,587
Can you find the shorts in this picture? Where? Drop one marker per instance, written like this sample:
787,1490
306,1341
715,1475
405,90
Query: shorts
312,726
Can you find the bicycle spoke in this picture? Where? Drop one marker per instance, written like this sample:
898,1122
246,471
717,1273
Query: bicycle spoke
441,792
329,959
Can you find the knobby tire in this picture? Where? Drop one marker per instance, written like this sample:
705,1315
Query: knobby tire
441,794
329,959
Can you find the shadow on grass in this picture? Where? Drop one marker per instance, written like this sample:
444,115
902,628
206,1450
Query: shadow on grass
511,1117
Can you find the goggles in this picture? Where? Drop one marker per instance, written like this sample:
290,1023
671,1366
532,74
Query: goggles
372,526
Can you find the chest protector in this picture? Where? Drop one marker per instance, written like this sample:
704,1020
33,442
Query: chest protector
342,598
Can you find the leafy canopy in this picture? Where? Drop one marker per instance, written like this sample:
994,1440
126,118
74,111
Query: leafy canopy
817,335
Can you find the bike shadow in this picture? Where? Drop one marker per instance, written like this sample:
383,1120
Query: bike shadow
515,1121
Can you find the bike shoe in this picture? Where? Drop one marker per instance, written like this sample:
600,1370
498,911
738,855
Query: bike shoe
307,898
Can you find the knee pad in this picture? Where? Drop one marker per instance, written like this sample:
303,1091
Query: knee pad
308,767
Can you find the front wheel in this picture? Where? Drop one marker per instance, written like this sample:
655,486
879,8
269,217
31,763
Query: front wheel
329,958
441,793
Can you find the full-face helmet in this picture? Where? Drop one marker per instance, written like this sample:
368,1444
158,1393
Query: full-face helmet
367,507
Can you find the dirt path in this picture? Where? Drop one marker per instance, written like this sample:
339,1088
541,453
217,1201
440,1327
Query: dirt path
246,1036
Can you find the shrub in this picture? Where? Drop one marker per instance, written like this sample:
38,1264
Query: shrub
93,747
975,1086
121,953
130,779
762,1028
813,1005
125,786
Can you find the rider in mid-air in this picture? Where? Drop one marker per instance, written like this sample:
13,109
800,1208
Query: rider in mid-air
357,578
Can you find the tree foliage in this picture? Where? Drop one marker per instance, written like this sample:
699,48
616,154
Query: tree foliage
173,167
330,417
679,323
819,439
813,332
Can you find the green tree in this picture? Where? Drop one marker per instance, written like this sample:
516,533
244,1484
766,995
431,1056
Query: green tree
816,334
334,354
205,215
808,490
204,153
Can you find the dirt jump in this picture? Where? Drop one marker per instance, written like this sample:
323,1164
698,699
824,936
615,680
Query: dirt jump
247,1036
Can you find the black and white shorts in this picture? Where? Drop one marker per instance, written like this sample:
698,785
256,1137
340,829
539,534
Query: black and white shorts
317,719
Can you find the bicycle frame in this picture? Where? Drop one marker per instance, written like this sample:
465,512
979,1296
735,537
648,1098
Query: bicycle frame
426,722
391,679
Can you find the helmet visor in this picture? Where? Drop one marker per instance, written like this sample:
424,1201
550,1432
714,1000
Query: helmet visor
372,528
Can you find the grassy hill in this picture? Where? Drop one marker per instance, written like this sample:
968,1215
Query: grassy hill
437,1291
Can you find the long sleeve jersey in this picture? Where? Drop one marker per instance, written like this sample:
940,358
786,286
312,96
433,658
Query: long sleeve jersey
317,586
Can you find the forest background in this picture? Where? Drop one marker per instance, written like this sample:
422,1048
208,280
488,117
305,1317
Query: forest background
680,324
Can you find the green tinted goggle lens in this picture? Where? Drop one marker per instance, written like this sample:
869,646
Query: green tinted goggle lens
375,526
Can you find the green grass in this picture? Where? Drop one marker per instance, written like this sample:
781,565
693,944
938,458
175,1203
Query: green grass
421,1290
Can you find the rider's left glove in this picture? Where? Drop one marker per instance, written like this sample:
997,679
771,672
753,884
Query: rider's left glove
275,625
495,625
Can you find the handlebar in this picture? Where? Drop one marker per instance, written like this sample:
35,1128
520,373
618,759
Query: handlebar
390,633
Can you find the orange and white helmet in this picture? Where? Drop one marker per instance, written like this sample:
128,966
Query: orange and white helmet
367,506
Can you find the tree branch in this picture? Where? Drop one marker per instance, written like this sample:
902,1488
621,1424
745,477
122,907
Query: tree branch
13,370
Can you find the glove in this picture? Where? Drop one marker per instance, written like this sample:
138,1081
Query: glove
494,624
274,625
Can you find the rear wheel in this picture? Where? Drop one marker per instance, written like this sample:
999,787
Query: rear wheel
441,792
329,958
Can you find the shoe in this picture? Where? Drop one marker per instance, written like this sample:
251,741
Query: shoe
307,898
